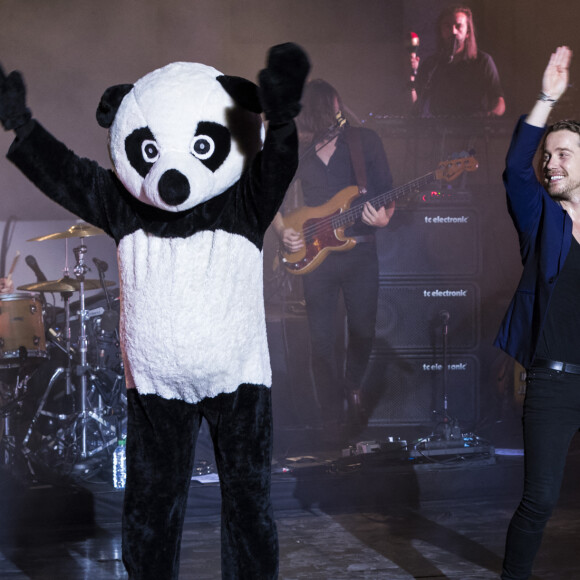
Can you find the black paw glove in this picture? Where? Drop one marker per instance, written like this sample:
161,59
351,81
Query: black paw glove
282,81
13,110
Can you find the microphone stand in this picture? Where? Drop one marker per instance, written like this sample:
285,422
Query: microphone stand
451,428
446,419
101,270
110,318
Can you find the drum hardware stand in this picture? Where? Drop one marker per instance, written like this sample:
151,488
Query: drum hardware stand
66,296
83,368
40,409
64,441
77,430
80,270
7,440
7,412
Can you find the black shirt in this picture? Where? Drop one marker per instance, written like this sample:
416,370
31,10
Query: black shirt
560,339
321,182
464,87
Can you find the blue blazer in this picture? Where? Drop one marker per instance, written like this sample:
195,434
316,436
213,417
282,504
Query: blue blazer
545,234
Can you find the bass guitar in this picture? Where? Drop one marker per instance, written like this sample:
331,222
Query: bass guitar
322,227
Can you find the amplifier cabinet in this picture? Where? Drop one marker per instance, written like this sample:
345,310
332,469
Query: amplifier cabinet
415,316
431,241
408,389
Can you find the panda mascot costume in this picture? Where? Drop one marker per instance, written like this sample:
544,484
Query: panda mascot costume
196,183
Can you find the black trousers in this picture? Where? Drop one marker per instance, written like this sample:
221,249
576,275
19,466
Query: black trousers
161,438
551,418
354,274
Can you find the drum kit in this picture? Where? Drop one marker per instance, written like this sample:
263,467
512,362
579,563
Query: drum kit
63,405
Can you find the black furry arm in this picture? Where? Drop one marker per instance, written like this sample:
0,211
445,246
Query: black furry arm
13,110
281,84
282,81
263,187
79,185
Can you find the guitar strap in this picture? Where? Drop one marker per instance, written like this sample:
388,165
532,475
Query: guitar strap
357,158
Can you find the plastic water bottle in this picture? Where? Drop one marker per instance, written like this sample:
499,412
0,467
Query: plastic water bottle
119,465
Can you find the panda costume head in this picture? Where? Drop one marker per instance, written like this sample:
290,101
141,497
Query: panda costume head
181,134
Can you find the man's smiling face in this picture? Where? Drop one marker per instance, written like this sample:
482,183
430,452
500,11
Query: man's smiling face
561,165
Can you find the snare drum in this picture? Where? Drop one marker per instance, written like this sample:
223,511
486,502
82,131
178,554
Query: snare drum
22,338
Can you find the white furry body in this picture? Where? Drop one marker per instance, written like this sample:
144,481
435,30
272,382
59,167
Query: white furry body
192,314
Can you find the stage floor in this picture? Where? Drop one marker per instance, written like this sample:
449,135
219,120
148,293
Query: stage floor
367,516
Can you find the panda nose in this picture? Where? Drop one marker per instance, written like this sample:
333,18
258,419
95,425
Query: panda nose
173,187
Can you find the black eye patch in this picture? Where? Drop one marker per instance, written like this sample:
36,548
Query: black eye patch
211,144
141,150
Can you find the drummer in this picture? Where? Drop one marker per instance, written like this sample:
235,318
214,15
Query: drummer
6,285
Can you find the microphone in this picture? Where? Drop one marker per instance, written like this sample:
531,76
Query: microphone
339,124
454,47
101,265
444,315
332,131
33,265
341,121
413,48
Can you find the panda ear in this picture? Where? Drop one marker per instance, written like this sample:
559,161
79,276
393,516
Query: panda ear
243,91
110,102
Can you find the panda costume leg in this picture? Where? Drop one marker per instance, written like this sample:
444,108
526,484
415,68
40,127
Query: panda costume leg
158,478
161,437
241,429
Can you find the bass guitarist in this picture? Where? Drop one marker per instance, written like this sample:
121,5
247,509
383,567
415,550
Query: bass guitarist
336,156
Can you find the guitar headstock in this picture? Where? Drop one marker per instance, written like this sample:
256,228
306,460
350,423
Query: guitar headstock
453,168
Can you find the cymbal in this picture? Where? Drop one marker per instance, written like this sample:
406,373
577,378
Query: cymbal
65,284
76,231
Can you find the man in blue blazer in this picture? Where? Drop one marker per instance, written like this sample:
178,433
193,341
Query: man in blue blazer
541,328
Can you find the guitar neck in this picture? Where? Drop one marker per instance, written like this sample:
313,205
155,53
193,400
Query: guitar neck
354,213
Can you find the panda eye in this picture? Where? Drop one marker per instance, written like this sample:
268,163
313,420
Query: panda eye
211,144
202,147
141,149
150,151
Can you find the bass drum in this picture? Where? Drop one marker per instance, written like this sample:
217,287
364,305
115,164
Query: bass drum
22,333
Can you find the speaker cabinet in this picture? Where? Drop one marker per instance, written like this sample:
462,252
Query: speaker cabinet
430,242
412,316
408,389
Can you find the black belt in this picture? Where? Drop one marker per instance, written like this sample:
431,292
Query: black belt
555,365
